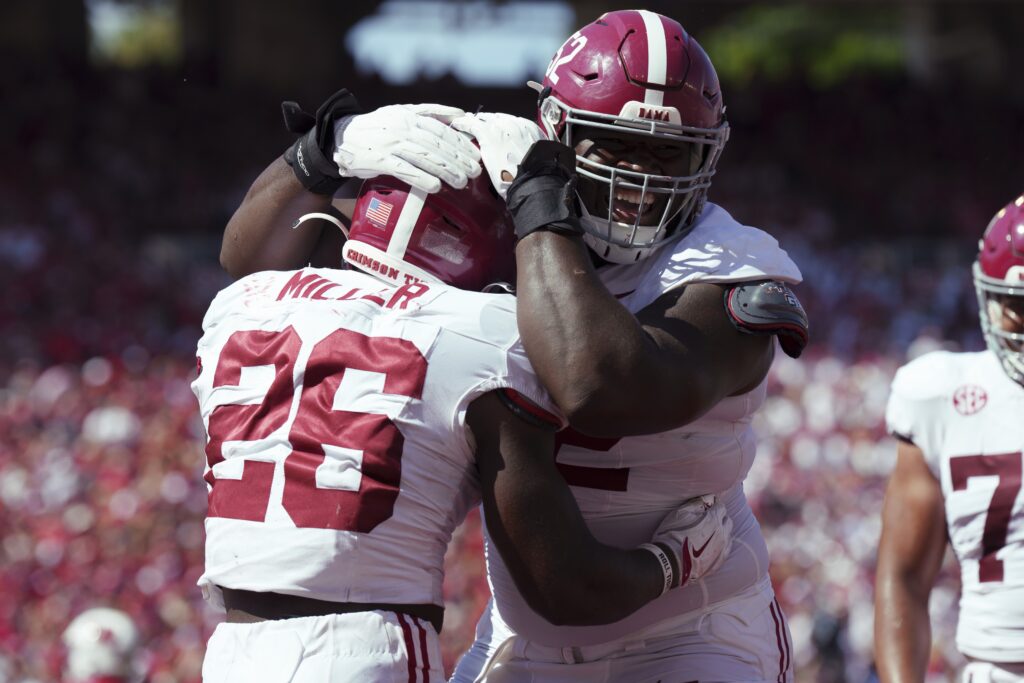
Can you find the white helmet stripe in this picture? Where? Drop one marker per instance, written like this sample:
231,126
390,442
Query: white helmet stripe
657,57
406,223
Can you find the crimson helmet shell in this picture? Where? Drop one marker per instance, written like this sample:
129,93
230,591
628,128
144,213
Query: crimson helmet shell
1001,248
999,276
636,56
464,238
637,72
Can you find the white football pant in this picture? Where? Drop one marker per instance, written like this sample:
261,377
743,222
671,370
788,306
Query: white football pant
986,672
363,647
744,639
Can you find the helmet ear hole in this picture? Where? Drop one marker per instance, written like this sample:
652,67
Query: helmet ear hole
452,224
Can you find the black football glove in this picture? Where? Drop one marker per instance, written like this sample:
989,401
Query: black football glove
310,155
543,195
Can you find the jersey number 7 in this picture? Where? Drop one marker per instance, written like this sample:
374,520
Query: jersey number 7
318,431
1007,467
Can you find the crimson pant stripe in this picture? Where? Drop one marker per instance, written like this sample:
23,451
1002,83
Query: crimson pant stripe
778,639
423,651
410,646
785,635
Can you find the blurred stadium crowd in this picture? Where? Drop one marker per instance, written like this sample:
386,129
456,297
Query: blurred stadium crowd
110,222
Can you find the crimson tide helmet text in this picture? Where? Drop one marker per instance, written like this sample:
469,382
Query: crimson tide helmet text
999,283
636,77
463,238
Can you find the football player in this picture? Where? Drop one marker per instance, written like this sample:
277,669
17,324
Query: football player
354,418
957,480
679,306
649,313
102,646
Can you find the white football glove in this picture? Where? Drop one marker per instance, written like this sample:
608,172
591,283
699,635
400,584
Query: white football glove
412,142
698,535
504,140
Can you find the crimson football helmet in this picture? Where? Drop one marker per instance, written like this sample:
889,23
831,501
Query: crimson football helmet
636,73
464,238
102,645
999,283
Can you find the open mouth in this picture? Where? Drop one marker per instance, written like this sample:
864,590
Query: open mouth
629,204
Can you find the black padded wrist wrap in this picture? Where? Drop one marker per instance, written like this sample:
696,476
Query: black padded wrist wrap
315,171
543,195
310,155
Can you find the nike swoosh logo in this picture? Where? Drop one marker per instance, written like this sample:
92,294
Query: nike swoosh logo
698,552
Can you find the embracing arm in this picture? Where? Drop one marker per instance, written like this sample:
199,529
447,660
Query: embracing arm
413,143
564,574
614,373
610,372
909,557
259,235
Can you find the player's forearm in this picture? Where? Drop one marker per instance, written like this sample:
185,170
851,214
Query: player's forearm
610,589
563,573
587,349
259,235
910,553
902,631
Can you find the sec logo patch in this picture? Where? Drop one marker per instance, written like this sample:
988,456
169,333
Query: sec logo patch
969,399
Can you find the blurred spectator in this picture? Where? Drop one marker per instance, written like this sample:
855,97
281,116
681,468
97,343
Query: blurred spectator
103,647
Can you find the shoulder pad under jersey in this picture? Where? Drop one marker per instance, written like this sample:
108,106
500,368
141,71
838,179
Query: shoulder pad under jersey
768,307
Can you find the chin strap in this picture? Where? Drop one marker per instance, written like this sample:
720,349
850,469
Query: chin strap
324,217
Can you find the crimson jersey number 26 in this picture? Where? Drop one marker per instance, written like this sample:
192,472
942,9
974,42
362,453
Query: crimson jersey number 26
316,429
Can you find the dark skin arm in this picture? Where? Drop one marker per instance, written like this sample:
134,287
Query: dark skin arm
616,374
259,235
909,557
564,574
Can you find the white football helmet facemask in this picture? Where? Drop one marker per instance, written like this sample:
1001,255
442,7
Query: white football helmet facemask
637,76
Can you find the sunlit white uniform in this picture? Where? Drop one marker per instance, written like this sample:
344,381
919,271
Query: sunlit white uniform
338,460
967,417
724,627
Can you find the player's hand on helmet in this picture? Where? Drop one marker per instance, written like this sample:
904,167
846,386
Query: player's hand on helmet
504,140
412,142
697,536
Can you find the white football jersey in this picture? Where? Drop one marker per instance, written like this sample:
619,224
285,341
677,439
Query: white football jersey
967,417
337,461
625,487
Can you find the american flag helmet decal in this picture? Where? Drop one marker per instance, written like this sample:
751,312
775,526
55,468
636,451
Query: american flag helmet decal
378,212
